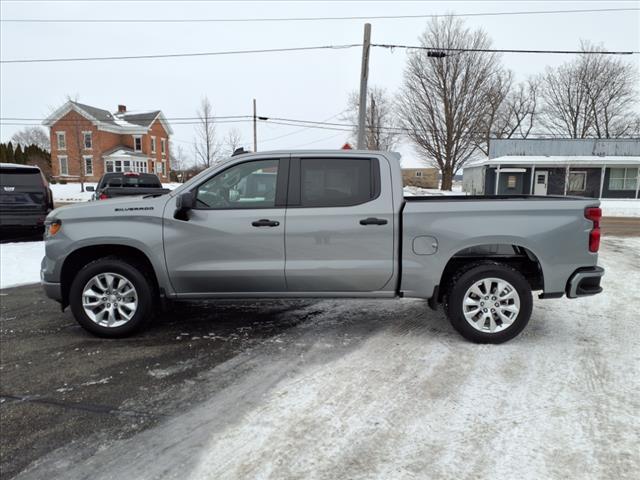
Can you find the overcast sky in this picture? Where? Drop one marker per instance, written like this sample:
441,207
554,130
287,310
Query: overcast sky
303,85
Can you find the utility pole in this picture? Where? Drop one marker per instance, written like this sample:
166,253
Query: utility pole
255,127
364,76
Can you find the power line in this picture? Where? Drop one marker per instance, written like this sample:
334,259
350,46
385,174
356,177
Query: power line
175,55
304,19
501,50
305,124
321,47
301,129
317,141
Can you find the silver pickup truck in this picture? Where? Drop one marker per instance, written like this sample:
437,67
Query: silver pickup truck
320,224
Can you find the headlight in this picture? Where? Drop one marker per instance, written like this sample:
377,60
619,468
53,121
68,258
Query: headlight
54,227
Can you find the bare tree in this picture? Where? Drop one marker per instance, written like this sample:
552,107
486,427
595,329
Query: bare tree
512,111
567,110
232,141
591,96
205,145
178,161
382,127
443,101
32,136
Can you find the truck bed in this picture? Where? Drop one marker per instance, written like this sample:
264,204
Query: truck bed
444,198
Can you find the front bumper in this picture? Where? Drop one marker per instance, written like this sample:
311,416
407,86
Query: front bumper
584,282
52,290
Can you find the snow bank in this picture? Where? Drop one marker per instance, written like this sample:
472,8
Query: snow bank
20,263
70,192
620,207
411,191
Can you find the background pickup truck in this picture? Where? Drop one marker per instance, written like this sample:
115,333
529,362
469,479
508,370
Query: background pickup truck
320,224
127,184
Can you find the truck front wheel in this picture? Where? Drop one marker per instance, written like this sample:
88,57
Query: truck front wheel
111,297
489,302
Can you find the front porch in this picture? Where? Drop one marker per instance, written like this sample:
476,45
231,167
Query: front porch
595,177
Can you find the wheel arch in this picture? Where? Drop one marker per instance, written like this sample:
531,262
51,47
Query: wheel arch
80,257
514,254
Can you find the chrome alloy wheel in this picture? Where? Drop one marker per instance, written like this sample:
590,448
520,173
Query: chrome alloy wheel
109,299
491,305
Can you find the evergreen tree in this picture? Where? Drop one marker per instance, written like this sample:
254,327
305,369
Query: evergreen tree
10,156
18,155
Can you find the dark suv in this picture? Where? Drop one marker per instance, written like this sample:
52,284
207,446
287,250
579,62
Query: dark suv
25,197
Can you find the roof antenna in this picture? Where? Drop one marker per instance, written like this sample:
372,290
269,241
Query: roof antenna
239,151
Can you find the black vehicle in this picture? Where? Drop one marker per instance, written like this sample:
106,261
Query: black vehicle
127,184
25,197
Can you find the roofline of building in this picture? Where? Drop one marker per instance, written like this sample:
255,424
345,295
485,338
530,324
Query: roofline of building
557,160
100,125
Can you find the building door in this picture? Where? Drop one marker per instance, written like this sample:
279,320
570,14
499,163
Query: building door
542,182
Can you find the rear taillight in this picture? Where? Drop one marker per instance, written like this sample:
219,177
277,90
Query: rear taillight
102,196
594,214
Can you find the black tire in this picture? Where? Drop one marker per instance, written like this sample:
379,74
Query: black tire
136,273
465,278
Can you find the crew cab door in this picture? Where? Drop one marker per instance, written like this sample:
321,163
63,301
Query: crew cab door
233,240
340,225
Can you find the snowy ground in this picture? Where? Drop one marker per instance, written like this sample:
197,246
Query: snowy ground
70,192
386,389
20,263
620,208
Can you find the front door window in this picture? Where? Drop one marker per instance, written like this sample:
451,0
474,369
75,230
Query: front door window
246,185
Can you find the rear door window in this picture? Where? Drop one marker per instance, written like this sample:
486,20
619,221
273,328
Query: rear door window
336,182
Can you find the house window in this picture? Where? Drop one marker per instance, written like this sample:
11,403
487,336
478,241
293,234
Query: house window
512,181
577,181
111,166
62,140
623,179
137,143
159,167
88,165
418,174
88,142
164,169
153,144
64,165
163,146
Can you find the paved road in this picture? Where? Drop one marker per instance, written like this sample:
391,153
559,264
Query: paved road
325,389
60,384
621,226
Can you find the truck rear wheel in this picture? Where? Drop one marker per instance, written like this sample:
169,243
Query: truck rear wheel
111,297
489,302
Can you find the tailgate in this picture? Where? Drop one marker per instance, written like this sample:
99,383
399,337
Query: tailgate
23,201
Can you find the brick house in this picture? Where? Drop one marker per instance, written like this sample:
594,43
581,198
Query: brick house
87,142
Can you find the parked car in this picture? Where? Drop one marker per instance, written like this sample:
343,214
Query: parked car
122,184
25,197
320,224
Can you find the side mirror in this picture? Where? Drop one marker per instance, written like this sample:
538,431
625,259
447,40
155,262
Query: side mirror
185,202
90,188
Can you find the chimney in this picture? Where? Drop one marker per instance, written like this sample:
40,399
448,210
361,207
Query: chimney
122,108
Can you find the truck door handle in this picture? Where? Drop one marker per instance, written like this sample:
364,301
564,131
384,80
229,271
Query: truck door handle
373,221
265,223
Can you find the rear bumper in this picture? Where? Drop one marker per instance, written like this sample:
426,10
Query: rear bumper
22,219
52,290
584,282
